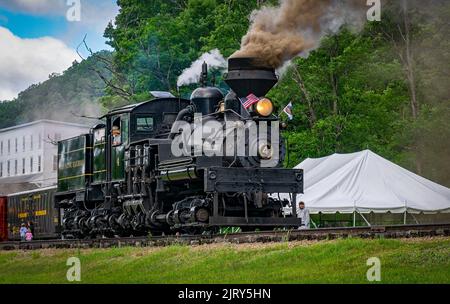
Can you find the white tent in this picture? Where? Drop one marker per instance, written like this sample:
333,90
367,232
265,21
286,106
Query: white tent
365,182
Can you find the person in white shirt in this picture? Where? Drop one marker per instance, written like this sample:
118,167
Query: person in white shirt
23,231
303,214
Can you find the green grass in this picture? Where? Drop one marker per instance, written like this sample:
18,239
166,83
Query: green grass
340,261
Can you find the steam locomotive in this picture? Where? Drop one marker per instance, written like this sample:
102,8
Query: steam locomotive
150,168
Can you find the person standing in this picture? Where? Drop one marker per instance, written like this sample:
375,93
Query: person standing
29,235
303,214
23,231
31,226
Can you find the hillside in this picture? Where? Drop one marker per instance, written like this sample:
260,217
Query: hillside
62,97
340,261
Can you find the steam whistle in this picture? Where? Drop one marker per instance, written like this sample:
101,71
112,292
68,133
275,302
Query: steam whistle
204,75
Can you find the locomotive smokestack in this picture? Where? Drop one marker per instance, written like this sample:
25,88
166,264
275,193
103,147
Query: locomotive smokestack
250,76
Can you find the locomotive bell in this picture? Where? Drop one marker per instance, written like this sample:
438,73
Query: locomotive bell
249,76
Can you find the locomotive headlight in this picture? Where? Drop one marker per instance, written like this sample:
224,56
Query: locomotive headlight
264,107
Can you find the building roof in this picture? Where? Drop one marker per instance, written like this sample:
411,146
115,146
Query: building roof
32,191
44,121
157,96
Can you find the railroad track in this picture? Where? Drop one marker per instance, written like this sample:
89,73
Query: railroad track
397,231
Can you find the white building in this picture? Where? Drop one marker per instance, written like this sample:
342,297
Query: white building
28,153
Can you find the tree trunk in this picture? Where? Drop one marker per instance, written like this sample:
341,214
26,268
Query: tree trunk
409,68
312,117
334,84
409,62
333,77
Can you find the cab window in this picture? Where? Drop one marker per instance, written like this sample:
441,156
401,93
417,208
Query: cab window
124,123
116,132
99,136
119,130
144,124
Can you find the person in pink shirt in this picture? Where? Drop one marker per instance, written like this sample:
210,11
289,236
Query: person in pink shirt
29,235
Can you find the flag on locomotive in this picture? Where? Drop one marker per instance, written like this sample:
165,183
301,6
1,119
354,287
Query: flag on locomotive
249,101
288,111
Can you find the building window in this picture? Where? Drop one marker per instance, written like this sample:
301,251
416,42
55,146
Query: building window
15,167
16,145
1,148
39,163
9,146
23,144
8,168
55,162
23,165
31,164
31,142
1,169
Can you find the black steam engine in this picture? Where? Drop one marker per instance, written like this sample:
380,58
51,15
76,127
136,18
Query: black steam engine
173,165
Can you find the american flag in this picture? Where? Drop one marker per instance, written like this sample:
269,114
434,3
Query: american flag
249,101
288,111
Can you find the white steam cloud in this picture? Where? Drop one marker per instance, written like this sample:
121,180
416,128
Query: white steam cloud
213,58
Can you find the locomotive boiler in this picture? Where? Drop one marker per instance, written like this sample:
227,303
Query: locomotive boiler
174,165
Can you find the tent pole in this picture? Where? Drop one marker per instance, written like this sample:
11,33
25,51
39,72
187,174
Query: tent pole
314,224
406,212
367,222
354,218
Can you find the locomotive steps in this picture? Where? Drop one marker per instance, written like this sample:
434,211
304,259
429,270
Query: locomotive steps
399,231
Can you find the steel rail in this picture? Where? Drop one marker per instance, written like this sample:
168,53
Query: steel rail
394,231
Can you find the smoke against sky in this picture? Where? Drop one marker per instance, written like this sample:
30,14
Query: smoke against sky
278,34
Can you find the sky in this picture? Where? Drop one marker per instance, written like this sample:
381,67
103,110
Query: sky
40,37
